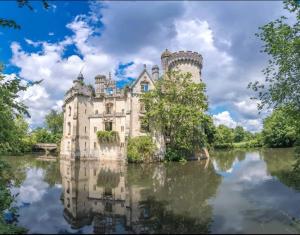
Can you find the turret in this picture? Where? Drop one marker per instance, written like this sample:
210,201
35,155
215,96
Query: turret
100,81
155,72
183,61
164,59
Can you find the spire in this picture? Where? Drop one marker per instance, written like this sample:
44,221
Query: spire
80,76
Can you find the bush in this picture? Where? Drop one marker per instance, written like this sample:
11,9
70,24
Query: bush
108,136
223,145
175,155
140,149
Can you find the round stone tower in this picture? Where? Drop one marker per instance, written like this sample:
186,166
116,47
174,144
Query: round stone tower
184,61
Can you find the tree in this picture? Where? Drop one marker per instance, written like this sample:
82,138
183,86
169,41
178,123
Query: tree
176,108
282,43
12,125
224,137
279,129
239,134
140,149
54,122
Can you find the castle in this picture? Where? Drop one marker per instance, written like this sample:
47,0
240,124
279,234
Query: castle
88,110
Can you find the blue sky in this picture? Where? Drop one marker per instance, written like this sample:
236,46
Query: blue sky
119,37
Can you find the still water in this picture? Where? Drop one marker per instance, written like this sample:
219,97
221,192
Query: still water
236,192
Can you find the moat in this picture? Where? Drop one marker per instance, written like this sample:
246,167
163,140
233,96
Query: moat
236,192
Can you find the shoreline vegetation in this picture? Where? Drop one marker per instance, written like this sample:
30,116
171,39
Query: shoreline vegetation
178,108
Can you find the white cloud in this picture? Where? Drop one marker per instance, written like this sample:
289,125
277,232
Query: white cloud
140,34
224,118
33,188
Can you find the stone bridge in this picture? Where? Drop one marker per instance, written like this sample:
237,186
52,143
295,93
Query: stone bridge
46,146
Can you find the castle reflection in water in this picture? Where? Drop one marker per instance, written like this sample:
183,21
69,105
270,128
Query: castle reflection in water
111,199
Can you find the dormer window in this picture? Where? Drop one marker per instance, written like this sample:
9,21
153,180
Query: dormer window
144,86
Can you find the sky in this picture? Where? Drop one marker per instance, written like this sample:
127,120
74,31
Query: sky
120,37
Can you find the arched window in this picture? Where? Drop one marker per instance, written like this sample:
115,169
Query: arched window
85,129
70,110
144,86
108,108
69,128
96,112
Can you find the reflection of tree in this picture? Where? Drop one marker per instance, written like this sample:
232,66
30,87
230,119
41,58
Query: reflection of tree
52,172
185,193
108,179
225,159
282,164
156,218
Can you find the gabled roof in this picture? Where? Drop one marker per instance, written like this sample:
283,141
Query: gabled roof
140,76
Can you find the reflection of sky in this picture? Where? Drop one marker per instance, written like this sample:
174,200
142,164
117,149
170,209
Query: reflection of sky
41,210
251,200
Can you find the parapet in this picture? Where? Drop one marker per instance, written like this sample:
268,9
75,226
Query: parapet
185,57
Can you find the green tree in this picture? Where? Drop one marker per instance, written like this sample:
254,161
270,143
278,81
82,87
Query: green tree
239,134
279,129
140,149
176,108
282,43
224,137
54,122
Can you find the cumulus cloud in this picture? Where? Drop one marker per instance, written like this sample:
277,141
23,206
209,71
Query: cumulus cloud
224,118
139,34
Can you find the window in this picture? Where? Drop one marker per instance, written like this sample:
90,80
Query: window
123,111
85,111
68,148
122,145
95,145
95,187
96,112
84,171
122,128
108,126
85,129
70,110
95,172
95,129
84,145
69,128
109,107
144,86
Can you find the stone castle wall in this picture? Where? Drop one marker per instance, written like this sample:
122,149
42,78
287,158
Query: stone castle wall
86,110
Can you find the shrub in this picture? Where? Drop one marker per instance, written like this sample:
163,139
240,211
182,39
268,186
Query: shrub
140,149
108,136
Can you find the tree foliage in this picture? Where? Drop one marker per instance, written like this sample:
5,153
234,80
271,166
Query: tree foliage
140,149
108,136
280,129
282,43
54,122
176,107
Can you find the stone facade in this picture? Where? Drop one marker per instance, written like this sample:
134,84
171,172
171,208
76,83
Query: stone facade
88,110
